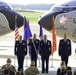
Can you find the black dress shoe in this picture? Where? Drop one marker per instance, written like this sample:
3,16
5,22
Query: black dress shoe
42,72
44,69
46,72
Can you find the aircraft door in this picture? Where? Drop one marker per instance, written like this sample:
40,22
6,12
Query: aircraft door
66,23
4,25
74,22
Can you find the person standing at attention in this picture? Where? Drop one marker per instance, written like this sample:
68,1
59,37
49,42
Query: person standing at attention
64,49
20,51
45,52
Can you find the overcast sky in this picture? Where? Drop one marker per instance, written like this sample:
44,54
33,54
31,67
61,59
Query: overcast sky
33,1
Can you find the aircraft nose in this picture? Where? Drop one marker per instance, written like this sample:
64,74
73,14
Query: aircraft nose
19,20
46,21
11,20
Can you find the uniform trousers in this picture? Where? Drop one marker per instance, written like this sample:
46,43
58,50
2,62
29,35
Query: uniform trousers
35,60
45,59
65,59
20,63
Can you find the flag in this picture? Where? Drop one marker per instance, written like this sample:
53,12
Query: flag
27,31
41,32
53,37
16,30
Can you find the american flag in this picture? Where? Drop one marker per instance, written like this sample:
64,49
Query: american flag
16,31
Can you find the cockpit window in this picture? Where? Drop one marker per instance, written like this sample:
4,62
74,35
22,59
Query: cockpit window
5,7
57,9
64,9
68,9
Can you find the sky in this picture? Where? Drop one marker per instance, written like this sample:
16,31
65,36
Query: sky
25,2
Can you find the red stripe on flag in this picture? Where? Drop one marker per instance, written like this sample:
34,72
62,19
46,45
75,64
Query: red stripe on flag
16,33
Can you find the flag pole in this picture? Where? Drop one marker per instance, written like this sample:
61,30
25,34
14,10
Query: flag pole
26,62
15,40
27,33
41,38
26,39
52,63
53,40
39,57
39,63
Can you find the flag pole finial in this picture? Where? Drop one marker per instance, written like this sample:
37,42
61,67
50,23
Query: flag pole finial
24,16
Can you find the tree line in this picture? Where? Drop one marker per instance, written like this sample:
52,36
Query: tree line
32,6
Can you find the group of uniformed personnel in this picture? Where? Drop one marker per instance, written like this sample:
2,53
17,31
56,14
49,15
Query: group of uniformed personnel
42,47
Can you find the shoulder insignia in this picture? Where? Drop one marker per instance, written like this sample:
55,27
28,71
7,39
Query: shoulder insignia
68,42
41,43
23,43
48,43
17,44
36,41
61,43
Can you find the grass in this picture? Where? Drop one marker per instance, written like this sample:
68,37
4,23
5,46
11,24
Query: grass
32,16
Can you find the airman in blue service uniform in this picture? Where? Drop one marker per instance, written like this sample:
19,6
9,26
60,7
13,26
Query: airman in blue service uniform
34,45
64,49
45,52
20,51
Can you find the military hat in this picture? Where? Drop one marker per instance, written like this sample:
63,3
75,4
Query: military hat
8,60
32,63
